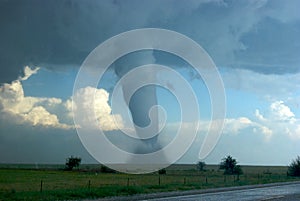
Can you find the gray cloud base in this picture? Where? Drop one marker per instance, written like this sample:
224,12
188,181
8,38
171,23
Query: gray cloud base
261,36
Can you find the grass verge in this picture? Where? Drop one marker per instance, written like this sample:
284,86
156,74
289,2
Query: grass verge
53,184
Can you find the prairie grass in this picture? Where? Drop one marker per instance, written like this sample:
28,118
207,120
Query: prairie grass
53,183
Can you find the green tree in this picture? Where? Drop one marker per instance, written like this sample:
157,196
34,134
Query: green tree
294,167
72,162
229,165
201,165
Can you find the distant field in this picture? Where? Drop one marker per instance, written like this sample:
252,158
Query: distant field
50,182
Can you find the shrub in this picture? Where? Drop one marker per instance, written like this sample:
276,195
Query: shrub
201,166
162,171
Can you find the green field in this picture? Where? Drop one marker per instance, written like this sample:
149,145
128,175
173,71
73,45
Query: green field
26,182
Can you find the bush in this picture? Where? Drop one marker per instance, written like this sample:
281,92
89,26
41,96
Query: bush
162,171
294,168
105,169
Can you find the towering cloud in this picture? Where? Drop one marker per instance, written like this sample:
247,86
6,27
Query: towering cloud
98,108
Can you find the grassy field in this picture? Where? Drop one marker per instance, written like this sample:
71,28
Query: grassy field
26,182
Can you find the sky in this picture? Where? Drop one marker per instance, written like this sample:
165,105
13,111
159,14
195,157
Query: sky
254,44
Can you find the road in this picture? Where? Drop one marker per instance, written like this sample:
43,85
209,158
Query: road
284,192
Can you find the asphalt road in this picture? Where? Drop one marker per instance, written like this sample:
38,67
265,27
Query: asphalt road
284,192
276,191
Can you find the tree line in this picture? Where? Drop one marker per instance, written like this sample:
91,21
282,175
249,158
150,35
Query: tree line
228,164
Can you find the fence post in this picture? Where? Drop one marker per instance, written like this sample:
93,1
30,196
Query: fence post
89,185
41,187
206,180
159,180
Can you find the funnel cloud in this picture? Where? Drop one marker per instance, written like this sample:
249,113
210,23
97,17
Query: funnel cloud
142,101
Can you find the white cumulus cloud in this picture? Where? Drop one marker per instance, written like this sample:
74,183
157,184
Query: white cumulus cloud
26,108
280,119
281,112
234,126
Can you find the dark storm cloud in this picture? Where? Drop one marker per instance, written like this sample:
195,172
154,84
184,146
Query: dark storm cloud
272,45
60,34
40,33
